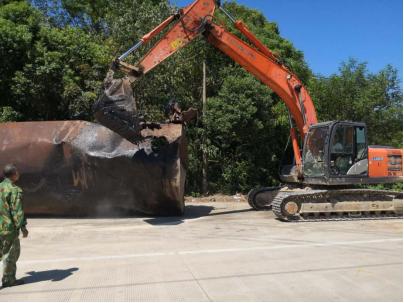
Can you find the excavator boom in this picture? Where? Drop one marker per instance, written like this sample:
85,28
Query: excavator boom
334,153
197,19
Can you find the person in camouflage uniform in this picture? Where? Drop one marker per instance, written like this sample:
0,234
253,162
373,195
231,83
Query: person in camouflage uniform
12,220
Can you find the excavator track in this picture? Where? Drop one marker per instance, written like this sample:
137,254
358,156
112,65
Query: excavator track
337,205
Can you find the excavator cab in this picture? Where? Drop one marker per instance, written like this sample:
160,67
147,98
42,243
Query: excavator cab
337,153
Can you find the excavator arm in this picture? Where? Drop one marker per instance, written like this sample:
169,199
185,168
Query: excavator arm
197,19
288,203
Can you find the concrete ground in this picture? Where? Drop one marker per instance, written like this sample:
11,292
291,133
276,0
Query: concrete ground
220,251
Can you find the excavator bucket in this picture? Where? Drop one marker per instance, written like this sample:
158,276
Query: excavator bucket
116,109
77,168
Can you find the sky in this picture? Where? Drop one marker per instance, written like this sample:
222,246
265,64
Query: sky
332,31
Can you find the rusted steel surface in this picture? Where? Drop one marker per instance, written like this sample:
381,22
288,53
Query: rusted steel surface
76,168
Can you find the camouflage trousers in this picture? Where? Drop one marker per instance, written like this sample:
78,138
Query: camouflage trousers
9,253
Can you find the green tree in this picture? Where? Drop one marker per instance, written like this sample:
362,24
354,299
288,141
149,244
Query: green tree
355,94
19,25
49,72
246,123
55,53
245,140
8,114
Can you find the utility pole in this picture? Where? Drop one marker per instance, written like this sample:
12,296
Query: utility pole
204,154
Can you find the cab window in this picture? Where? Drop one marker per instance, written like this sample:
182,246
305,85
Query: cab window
342,141
348,148
361,147
313,155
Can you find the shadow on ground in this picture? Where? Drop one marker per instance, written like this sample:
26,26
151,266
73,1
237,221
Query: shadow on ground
110,214
53,275
191,212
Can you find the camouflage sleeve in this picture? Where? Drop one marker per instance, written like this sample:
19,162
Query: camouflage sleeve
16,210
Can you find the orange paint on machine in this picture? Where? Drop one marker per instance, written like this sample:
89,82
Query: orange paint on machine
385,161
325,154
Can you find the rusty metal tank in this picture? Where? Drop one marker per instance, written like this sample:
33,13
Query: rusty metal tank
78,168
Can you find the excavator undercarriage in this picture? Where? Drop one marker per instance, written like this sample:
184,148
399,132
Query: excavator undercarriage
321,204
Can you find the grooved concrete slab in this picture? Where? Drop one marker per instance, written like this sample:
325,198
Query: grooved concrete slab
220,251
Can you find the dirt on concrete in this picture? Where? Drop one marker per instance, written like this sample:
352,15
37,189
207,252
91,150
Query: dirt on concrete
217,198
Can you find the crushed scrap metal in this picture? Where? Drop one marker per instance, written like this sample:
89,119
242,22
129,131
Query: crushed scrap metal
79,168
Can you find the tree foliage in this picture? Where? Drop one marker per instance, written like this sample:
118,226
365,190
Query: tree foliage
54,55
355,94
47,72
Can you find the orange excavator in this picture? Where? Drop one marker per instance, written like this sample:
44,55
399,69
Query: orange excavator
332,160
